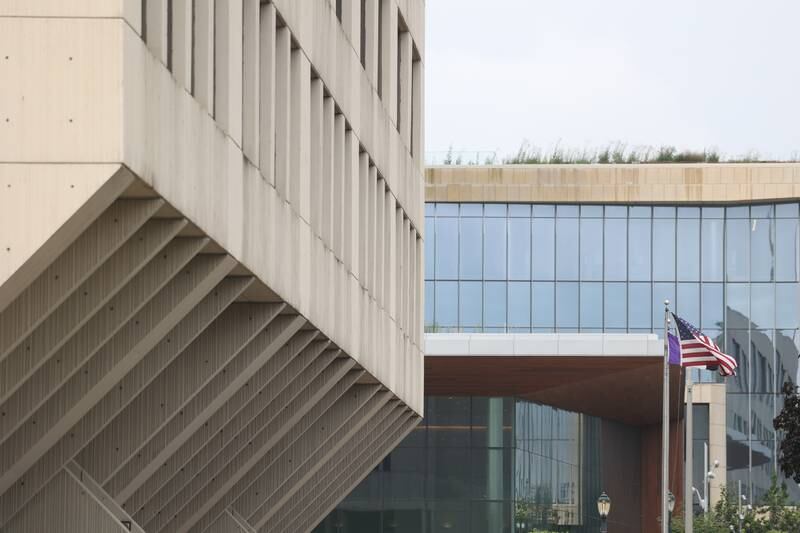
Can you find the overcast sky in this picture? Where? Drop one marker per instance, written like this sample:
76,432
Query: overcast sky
696,74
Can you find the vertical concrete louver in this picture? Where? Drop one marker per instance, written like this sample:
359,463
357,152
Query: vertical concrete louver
210,259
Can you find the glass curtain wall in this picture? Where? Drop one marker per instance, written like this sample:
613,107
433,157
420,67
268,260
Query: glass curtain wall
481,465
733,271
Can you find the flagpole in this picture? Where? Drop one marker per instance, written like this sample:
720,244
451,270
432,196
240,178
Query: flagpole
688,496
665,428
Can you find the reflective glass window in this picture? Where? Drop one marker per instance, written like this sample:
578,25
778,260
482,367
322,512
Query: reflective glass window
430,209
663,249
761,211
471,248
787,299
639,306
430,239
446,248
543,304
591,298
711,257
494,210
639,211
494,306
688,212
615,302
566,249
429,299
738,211
713,212
446,210
615,247
737,305
446,304
519,304
687,302
616,211
786,210
544,210
471,210
711,306
494,248
660,211
786,249
762,378
470,304
591,255
761,245
567,211
519,210
543,248
592,211
639,249
737,249
688,249
519,248
762,305
567,305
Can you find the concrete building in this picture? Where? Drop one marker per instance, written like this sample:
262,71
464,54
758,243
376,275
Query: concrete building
211,258
544,318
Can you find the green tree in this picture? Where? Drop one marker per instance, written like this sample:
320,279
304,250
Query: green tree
788,423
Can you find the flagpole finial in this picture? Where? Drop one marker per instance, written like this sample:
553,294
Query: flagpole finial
666,303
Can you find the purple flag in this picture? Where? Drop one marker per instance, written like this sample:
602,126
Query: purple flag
674,349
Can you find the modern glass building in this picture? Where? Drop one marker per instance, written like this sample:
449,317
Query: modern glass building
733,271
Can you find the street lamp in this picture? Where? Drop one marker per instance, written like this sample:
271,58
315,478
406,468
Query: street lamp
603,508
670,505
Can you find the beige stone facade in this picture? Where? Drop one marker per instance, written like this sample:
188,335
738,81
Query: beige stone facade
211,258
642,183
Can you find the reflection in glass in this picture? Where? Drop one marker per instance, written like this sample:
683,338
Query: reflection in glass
689,250
762,305
446,248
639,249
761,246
737,249
494,308
430,239
615,305
446,304
737,305
687,302
567,249
566,305
591,249
786,250
615,250
543,304
711,257
787,298
519,304
429,299
639,306
494,210
661,292
470,304
543,248
711,305
494,248
663,249
519,248
591,305
471,248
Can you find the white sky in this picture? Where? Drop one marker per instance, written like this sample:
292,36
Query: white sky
696,74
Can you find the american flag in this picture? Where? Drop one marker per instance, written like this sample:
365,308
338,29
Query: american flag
699,350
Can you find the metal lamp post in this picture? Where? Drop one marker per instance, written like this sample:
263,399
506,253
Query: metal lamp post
603,508
670,506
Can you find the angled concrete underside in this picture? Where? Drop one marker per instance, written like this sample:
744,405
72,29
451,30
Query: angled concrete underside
146,377
210,260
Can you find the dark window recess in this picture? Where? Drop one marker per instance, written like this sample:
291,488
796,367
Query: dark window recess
339,10
363,49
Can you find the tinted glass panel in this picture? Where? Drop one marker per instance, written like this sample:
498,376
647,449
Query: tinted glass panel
471,210
494,210
663,249
494,309
711,304
787,299
615,245
688,302
471,304
544,304
471,248
567,249
786,250
639,249
446,304
447,248
566,305
519,248
519,210
639,306
543,249
711,256
446,210
689,249
615,302
519,304
591,249
737,249
762,305
661,292
591,305
761,245
494,248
